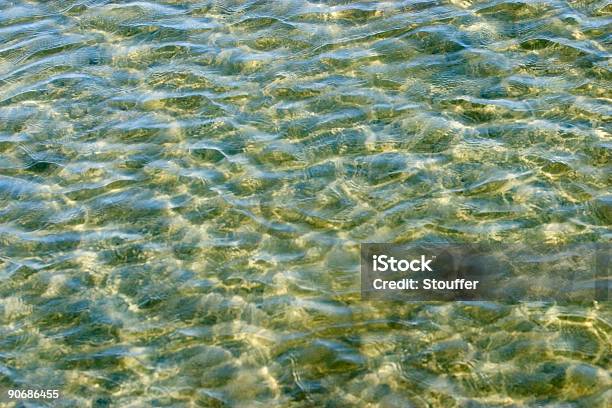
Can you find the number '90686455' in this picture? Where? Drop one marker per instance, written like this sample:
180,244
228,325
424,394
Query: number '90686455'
33,394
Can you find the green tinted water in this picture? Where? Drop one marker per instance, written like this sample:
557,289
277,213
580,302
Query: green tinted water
184,186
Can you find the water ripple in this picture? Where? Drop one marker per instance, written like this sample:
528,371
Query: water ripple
184,185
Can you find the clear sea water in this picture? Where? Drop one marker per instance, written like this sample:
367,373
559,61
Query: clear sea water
184,186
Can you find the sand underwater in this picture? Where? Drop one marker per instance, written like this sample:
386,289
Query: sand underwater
184,186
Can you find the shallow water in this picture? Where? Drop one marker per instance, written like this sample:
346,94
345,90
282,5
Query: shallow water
184,186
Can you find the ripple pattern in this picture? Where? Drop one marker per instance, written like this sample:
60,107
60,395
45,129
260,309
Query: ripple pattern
184,186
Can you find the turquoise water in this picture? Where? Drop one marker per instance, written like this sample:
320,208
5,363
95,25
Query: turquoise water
184,186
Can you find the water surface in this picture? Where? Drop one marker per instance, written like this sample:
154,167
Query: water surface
184,186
